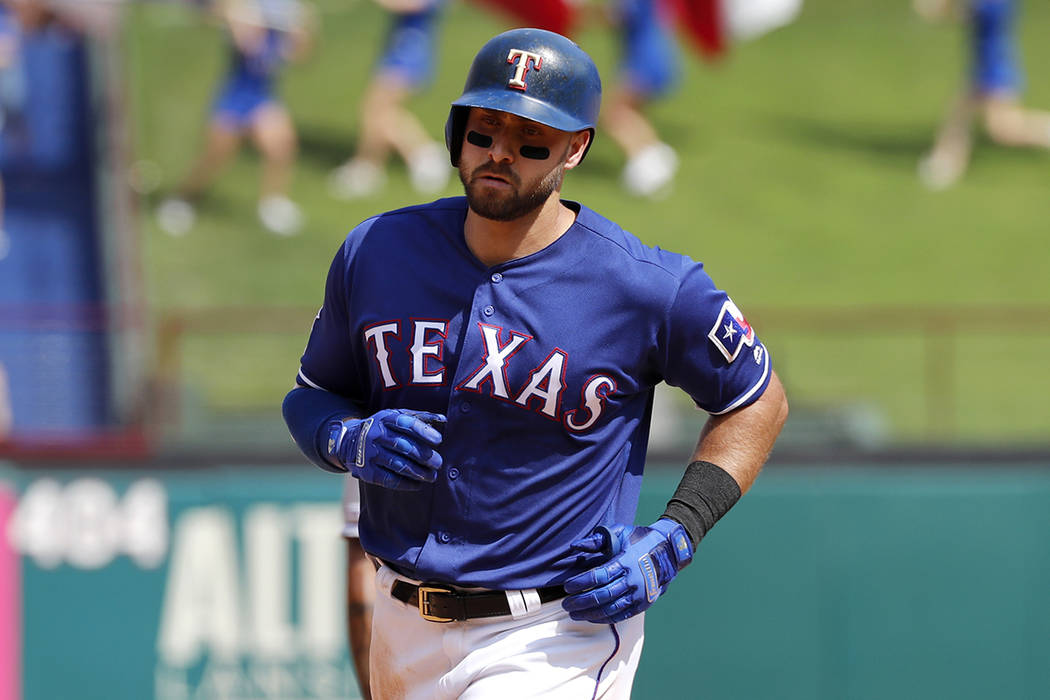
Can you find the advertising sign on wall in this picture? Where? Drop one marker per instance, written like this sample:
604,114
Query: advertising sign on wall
178,586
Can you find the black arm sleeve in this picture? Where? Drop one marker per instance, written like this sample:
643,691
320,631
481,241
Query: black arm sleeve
704,495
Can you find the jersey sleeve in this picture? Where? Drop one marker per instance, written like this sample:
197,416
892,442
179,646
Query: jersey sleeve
327,363
710,350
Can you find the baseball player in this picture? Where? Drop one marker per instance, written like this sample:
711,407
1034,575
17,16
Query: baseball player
485,366
360,586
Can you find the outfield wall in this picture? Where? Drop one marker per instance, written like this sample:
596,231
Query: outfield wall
903,581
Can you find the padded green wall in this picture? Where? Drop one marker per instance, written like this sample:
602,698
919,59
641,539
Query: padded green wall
902,581
896,582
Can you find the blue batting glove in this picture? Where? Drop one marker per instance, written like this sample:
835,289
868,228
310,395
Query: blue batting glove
393,448
641,563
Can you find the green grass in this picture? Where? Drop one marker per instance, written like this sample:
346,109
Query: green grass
797,189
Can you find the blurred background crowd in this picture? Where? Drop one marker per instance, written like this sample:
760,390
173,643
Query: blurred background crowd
174,173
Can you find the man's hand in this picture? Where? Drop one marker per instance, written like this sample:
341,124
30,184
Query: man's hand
393,448
643,560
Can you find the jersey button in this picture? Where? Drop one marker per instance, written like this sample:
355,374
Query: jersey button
444,537
496,278
488,310
464,407
453,473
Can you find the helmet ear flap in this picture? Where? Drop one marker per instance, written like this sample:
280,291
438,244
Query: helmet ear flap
455,125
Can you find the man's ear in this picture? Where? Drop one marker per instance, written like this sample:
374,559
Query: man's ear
577,147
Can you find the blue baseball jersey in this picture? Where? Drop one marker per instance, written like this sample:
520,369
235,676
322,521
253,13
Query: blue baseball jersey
995,66
545,367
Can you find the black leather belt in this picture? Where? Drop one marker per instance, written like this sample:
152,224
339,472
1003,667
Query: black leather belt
439,603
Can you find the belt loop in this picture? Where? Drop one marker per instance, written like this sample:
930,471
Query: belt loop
523,602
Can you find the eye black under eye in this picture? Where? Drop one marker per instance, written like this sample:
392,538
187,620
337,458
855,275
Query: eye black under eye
479,140
535,152
527,151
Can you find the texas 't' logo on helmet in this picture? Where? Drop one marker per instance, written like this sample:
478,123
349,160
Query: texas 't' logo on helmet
522,58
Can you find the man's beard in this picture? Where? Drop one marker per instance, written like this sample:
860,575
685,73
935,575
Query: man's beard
511,205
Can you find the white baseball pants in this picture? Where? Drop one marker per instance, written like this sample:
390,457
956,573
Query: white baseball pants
541,653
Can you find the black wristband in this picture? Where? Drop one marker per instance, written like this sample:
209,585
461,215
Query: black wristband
704,495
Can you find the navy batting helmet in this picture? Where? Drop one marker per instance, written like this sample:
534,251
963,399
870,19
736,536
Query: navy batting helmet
535,74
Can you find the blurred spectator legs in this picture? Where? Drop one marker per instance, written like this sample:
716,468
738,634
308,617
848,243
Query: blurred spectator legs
1004,119
651,163
177,214
386,127
273,134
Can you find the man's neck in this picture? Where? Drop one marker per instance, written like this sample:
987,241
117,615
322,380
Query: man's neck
495,242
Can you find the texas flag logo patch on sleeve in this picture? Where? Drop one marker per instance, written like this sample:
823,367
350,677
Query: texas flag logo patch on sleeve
731,331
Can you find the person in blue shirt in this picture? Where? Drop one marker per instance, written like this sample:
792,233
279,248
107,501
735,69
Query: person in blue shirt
649,70
263,36
992,94
404,68
484,367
